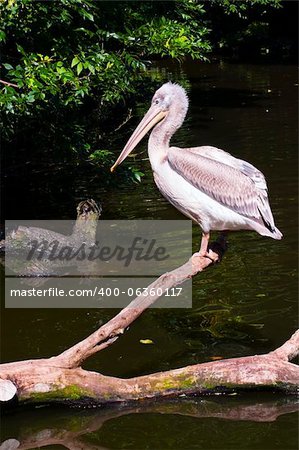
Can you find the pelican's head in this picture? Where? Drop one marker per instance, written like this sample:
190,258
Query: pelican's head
170,103
171,98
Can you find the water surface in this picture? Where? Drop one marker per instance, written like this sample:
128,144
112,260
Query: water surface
246,305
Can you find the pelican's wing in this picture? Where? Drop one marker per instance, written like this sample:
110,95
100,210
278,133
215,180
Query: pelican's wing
232,182
245,167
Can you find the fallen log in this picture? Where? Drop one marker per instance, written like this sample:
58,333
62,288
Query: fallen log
45,381
62,379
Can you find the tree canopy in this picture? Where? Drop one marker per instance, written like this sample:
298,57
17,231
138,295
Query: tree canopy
65,60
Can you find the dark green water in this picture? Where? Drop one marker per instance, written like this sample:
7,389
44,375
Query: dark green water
247,305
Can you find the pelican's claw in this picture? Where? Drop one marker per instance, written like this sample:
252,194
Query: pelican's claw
210,255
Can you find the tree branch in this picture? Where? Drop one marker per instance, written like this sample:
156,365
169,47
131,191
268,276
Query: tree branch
109,332
290,349
61,379
7,83
43,381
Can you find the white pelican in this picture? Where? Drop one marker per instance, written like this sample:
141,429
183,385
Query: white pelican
208,185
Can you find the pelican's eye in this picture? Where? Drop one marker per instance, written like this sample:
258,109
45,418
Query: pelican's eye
156,101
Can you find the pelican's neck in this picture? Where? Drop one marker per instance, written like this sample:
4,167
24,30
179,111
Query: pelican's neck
161,135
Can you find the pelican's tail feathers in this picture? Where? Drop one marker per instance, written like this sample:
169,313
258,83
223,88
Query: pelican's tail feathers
263,230
276,234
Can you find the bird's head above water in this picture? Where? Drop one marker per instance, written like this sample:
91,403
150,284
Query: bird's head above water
169,106
170,97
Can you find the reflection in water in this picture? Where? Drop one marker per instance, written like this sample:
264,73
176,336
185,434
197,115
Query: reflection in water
246,305
153,425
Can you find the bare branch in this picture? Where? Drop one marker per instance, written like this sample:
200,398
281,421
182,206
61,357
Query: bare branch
43,381
129,115
290,349
7,83
61,379
110,331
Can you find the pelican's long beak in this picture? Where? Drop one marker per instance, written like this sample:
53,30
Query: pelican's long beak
151,118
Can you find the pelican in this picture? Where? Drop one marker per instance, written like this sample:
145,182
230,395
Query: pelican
210,186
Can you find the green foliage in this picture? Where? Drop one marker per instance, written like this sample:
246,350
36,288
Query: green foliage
242,7
166,37
136,175
63,52
74,66
101,158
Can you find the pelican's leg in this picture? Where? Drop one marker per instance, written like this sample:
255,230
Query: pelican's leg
203,251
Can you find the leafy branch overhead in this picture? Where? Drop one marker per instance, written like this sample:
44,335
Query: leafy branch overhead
86,48
74,58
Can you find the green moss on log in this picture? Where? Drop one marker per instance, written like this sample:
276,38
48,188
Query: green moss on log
186,382
175,383
72,392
